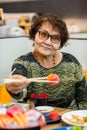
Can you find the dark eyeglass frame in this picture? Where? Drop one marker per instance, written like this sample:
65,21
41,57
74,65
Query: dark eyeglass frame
44,35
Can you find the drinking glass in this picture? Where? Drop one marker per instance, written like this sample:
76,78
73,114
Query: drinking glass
4,95
85,73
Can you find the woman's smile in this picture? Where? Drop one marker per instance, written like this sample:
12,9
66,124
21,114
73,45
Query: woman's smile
46,47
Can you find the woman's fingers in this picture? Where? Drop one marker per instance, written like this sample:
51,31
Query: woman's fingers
19,82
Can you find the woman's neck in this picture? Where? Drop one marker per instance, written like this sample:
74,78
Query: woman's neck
48,61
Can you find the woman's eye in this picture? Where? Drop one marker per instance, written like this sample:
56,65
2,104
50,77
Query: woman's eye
44,35
55,38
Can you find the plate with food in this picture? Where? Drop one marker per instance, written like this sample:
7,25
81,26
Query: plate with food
52,121
52,117
15,117
25,106
77,117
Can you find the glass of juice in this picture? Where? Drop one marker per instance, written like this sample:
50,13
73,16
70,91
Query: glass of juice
4,95
85,73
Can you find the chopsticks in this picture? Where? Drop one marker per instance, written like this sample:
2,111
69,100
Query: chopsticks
52,79
41,79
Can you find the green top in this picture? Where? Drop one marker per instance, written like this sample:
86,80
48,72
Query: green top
71,92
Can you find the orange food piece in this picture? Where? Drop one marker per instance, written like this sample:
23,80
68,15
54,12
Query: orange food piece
75,116
54,115
80,121
18,118
54,78
23,118
51,76
4,120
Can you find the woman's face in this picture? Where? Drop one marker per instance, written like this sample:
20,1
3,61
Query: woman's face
47,40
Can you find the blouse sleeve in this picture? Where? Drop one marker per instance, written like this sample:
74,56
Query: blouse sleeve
20,69
81,88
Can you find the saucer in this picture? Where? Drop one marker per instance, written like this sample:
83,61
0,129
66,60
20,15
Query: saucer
44,109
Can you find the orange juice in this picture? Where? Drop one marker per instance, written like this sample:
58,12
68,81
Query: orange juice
4,95
85,72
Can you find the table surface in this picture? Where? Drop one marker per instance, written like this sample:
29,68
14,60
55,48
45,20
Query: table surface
59,124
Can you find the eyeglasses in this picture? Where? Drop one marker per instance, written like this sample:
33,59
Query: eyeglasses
44,35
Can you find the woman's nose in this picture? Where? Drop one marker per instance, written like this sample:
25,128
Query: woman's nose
48,41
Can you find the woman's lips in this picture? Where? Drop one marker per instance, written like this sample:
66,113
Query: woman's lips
46,47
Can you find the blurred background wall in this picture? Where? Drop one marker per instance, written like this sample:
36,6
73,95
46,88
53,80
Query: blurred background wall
74,11
65,8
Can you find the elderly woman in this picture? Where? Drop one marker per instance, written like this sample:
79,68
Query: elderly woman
49,34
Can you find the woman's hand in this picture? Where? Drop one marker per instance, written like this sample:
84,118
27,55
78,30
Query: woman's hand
17,86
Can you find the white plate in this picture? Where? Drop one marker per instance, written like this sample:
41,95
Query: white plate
44,109
2,110
3,107
23,105
68,115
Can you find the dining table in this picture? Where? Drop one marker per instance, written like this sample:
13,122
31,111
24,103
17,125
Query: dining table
60,123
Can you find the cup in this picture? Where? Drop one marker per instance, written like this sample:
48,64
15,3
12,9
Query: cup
4,95
39,99
85,73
